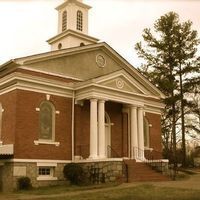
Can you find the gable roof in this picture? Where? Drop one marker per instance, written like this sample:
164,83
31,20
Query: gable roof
73,1
73,33
76,50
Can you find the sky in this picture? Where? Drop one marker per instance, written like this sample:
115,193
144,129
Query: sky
27,24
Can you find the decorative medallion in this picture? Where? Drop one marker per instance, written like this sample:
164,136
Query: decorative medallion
119,83
100,60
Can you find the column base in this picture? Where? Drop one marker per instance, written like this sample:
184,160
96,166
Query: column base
93,157
102,157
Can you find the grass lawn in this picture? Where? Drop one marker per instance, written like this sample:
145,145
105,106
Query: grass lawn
108,192
135,191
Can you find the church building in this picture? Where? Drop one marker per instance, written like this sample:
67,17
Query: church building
81,102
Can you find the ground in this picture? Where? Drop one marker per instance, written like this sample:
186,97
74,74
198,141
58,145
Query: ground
185,189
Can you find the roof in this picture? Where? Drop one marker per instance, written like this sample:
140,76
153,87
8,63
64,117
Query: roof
75,50
73,1
73,33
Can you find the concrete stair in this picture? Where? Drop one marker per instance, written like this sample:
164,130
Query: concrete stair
139,171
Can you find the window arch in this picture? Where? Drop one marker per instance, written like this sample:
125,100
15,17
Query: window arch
47,121
79,23
146,133
64,21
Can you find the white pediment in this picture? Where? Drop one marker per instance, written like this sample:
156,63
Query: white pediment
122,81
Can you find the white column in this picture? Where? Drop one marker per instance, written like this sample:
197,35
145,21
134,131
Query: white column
93,128
101,128
141,133
134,133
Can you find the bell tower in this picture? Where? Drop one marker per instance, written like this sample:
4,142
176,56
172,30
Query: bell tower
72,26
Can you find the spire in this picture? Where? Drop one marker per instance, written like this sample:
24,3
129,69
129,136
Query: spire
72,26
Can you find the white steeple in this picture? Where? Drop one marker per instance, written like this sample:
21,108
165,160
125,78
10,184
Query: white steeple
72,26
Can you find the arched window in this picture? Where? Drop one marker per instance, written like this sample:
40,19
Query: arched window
79,23
47,121
64,21
146,133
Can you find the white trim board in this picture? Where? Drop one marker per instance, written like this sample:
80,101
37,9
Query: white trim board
15,160
50,73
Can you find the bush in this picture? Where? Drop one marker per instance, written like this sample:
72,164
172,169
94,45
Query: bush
24,183
74,173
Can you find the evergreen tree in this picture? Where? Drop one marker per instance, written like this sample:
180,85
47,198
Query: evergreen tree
171,64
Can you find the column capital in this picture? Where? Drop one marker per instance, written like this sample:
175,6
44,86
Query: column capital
133,106
141,108
93,100
102,101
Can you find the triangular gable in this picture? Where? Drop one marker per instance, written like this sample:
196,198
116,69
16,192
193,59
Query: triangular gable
122,81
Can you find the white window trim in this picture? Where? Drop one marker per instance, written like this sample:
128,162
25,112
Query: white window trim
47,177
43,164
38,142
50,141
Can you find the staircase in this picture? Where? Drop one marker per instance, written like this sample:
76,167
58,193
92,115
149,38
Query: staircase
139,171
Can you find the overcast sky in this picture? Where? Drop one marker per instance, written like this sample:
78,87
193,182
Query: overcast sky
27,24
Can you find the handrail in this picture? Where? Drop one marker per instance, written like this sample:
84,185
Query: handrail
152,158
110,153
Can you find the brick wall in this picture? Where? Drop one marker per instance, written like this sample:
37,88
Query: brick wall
125,134
114,110
8,102
155,132
27,127
82,129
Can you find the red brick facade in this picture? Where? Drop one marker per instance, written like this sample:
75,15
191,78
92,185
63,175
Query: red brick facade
21,125
21,118
8,102
155,134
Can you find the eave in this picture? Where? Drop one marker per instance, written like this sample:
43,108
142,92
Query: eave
72,33
73,1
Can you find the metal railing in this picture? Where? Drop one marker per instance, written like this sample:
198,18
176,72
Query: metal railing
151,157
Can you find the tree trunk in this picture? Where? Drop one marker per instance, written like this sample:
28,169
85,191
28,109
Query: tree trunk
182,119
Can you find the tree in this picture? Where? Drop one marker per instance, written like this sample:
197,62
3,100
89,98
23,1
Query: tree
171,63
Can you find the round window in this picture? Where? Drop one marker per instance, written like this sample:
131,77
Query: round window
59,46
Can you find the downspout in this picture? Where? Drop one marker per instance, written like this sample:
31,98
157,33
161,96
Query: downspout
73,104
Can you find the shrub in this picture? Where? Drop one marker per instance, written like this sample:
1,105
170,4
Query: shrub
74,173
24,183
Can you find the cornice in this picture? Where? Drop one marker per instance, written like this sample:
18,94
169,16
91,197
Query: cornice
73,1
70,32
21,81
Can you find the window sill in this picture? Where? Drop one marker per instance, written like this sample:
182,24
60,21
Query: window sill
48,178
37,142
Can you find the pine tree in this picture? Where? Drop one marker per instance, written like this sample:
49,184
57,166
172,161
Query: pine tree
171,63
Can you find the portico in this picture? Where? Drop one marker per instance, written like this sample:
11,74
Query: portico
98,146
132,97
